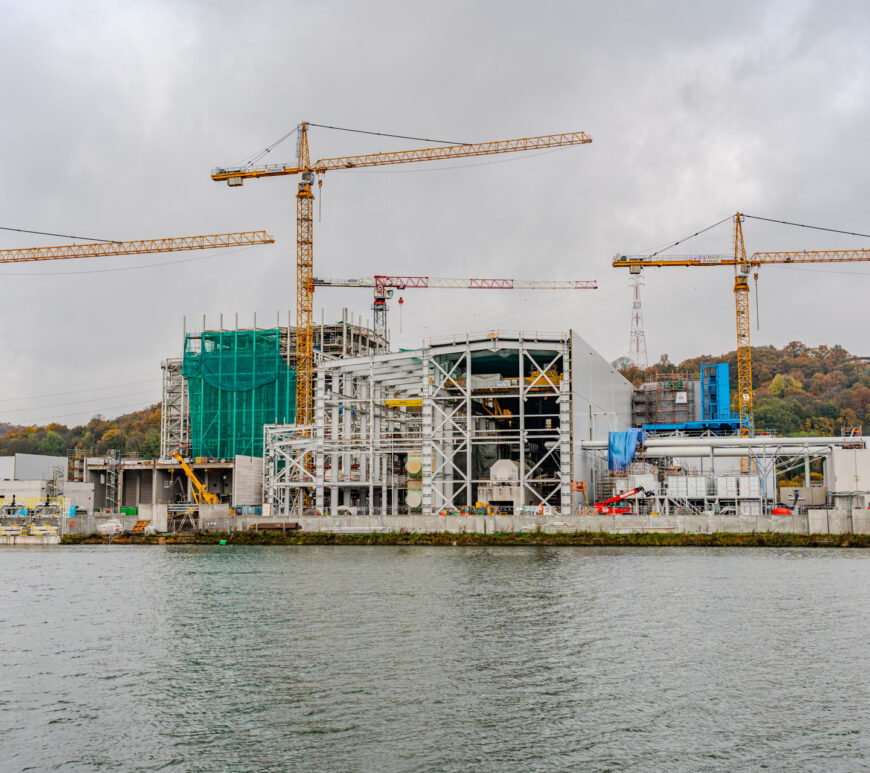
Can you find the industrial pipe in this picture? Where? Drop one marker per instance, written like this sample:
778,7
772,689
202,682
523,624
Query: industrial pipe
731,442
723,453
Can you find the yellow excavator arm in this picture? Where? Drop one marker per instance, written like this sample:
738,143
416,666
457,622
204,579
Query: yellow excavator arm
200,494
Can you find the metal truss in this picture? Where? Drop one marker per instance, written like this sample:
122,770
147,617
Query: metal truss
175,413
373,414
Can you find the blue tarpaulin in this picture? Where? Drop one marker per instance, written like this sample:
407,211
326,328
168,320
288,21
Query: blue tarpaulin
621,448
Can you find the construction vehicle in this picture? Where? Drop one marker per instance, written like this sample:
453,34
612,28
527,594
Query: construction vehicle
480,508
201,495
606,507
743,265
384,287
309,172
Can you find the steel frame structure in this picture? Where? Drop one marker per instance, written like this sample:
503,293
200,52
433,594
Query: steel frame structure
768,457
175,412
371,413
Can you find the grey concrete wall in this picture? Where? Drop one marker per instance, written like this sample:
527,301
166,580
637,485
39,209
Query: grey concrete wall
601,401
7,468
602,397
818,522
27,539
22,489
248,481
38,467
79,494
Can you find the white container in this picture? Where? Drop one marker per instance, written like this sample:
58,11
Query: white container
644,481
726,487
749,508
677,486
750,486
696,487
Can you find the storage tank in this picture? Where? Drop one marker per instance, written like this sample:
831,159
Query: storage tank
504,470
414,466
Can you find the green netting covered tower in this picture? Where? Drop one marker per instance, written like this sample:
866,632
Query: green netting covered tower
237,382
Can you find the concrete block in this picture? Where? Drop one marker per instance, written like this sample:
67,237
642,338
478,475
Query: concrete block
861,522
817,521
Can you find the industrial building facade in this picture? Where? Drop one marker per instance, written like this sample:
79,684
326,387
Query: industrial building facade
421,431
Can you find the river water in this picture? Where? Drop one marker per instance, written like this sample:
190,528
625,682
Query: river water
433,659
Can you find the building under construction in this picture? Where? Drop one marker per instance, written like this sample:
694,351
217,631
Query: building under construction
431,429
490,417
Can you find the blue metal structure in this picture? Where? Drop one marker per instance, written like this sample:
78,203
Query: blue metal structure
716,393
715,405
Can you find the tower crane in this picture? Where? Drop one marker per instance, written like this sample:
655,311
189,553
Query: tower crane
385,285
307,172
743,265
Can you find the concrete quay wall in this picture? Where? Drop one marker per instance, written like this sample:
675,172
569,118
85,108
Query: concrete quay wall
815,522
30,539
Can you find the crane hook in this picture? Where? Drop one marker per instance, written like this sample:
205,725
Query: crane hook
319,198
757,318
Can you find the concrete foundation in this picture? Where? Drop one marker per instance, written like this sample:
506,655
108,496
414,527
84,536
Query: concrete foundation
30,539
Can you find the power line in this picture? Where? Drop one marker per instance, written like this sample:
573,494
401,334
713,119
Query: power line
78,402
78,391
62,236
108,407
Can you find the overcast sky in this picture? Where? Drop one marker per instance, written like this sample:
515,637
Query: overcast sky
116,112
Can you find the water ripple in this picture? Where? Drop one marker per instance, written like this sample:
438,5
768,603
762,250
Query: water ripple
433,659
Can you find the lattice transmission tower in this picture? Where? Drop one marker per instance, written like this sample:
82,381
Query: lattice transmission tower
637,337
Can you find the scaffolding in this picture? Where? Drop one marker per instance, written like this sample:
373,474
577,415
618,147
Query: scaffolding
456,405
224,421
113,461
674,400
175,412
237,382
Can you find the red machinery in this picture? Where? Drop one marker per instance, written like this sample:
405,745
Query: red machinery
604,509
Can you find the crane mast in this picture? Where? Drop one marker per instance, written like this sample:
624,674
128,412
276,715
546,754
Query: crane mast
308,171
744,346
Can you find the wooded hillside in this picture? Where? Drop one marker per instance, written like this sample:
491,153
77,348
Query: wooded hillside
137,433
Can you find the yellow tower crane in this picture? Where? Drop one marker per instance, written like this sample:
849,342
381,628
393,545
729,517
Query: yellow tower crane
743,265
307,172
136,247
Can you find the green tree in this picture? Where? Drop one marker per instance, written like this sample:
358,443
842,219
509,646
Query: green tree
784,385
52,444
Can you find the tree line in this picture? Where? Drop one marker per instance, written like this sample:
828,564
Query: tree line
136,433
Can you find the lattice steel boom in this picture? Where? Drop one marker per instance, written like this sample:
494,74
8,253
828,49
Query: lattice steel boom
137,247
384,284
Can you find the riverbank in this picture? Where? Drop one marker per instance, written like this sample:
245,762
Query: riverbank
507,539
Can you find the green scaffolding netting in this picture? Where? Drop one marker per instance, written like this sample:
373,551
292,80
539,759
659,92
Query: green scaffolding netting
237,381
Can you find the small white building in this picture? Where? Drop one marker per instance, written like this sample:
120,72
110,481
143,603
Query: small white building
33,467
